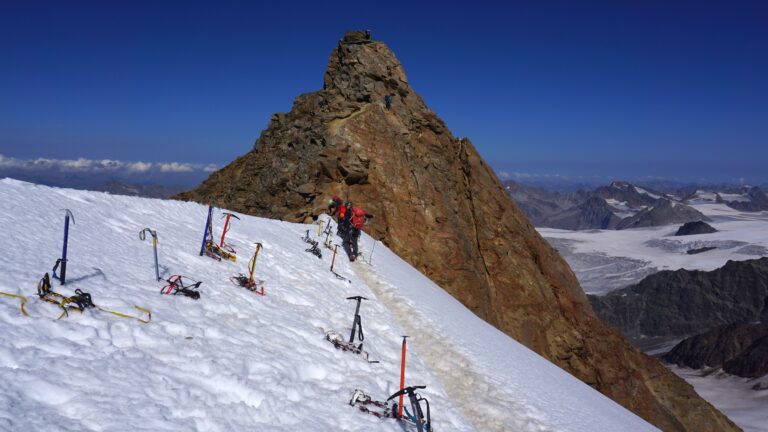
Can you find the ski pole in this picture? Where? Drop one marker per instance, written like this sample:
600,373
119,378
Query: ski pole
67,215
334,256
357,321
402,379
207,228
252,263
142,237
226,228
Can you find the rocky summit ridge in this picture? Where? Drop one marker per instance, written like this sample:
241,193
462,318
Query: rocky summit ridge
441,208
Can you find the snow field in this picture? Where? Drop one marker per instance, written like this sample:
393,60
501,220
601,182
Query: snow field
740,236
229,361
234,360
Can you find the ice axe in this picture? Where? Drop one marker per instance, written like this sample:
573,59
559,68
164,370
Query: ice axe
418,414
357,321
226,226
63,260
142,237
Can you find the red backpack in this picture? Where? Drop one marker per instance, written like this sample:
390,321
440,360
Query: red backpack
358,218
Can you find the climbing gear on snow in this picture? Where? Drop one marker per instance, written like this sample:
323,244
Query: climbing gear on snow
402,377
209,248
313,249
320,227
207,230
357,322
417,417
63,260
247,281
21,298
363,402
142,237
327,233
176,286
79,302
333,261
339,343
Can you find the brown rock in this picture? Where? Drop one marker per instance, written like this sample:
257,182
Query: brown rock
441,208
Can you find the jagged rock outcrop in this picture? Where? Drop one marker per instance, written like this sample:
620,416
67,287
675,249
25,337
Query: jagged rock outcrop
740,349
686,302
664,212
693,228
442,209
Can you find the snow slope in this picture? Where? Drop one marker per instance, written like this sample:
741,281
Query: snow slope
237,361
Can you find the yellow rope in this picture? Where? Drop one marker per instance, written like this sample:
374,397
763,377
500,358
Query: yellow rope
21,298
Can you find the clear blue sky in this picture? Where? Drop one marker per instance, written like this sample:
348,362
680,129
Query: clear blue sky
616,88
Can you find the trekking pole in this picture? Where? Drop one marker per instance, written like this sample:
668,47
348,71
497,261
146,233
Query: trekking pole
252,263
226,227
357,321
207,228
63,260
333,261
142,237
402,379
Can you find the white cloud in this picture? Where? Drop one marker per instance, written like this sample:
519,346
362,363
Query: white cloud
176,167
84,165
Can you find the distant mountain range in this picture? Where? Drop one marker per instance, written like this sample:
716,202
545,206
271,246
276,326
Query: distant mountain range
623,205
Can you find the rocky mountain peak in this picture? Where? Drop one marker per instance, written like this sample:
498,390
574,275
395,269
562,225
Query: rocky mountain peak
364,70
441,208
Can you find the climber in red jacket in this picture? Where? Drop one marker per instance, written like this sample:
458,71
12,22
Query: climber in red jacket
357,221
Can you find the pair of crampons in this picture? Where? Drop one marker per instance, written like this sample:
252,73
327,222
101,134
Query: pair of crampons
78,302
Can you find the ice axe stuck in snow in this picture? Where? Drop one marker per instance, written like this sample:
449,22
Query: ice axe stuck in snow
209,248
142,237
224,232
63,260
247,281
333,261
314,250
357,329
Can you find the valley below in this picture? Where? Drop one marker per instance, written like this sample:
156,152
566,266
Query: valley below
606,260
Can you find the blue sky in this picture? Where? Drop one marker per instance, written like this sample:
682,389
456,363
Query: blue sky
619,89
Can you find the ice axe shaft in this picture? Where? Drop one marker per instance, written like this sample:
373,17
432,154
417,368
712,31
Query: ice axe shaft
67,215
226,227
252,263
402,378
207,228
143,236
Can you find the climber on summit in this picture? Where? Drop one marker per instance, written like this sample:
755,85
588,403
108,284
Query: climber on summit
356,223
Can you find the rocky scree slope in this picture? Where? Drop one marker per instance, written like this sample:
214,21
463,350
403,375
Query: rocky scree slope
440,207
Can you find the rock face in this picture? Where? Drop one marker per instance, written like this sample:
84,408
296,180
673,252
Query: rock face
664,212
441,208
693,228
740,349
594,213
684,302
